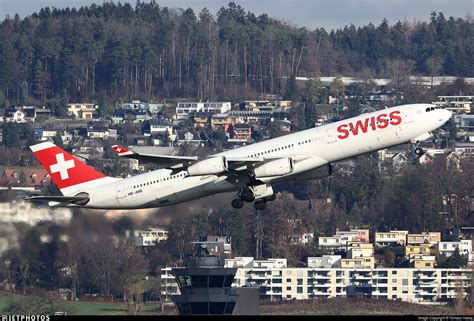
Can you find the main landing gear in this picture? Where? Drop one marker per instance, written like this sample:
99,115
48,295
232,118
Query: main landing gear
247,195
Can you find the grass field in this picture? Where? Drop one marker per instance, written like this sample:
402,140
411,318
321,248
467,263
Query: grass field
89,308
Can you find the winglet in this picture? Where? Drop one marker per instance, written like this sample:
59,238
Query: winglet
121,151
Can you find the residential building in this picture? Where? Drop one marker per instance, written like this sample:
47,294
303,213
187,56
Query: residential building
194,138
284,125
425,237
104,133
43,134
185,109
137,105
241,133
160,126
150,237
118,117
337,242
399,160
417,285
251,117
464,149
324,262
358,263
359,249
220,120
82,110
419,261
201,119
43,112
455,103
21,114
391,238
420,249
27,176
141,116
361,235
464,247
453,160
302,238
239,262
464,121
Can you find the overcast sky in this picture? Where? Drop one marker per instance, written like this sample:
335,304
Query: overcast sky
310,13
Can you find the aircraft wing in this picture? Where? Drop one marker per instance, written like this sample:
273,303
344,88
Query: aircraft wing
168,160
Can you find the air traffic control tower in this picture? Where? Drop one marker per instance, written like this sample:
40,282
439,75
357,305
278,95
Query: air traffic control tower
205,284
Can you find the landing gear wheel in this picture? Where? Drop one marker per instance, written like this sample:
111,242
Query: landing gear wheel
260,205
270,198
247,195
237,203
419,151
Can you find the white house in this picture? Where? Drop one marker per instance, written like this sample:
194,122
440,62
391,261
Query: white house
150,237
337,242
82,110
390,238
464,246
139,105
303,239
20,114
160,126
184,109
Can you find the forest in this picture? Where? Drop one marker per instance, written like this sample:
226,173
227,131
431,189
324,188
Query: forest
118,51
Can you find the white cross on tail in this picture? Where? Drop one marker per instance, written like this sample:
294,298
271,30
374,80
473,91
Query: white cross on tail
62,166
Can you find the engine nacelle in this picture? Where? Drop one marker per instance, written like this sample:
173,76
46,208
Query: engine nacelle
210,166
316,173
279,167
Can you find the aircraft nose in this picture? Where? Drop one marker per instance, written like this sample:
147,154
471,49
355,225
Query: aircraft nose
447,114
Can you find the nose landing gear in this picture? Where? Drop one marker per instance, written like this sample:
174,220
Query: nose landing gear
417,150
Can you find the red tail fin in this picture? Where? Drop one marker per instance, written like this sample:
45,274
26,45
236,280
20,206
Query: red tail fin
65,170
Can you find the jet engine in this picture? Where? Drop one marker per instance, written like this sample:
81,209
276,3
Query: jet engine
210,166
279,167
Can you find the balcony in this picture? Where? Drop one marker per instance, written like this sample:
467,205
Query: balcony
325,285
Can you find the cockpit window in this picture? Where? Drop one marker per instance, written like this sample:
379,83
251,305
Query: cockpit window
430,109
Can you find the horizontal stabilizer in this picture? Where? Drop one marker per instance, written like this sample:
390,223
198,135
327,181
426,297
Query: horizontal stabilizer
78,200
167,160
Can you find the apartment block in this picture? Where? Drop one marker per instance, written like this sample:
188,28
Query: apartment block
391,238
279,282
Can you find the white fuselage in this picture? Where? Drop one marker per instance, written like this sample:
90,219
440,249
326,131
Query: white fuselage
314,148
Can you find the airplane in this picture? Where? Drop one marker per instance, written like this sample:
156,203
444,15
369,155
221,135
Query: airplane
249,170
